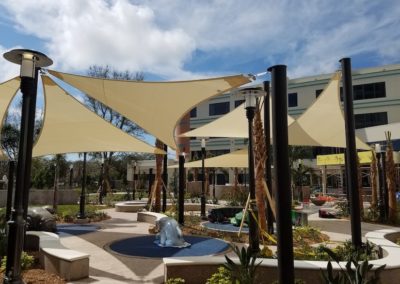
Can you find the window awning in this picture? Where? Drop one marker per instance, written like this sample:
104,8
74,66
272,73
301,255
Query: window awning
70,127
154,106
8,90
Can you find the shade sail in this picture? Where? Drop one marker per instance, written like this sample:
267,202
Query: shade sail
154,106
236,159
232,125
322,124
8,90
69,127
377,133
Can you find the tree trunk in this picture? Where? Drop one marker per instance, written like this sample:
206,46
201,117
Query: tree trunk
374,184
159,166
260,157
391,178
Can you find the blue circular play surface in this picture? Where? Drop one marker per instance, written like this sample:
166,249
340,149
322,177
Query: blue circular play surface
73,229
144,246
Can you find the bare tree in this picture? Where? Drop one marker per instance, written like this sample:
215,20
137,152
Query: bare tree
109,114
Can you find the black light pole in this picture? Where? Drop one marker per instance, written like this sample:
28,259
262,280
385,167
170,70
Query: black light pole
71,174
351,153
203,180
134,181
250,105
101,183
214,180
165,179
385,188
30,62
181,193
268,173
10,187
300,170
82,199
282,174
150,179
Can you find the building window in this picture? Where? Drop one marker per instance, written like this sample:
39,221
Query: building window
318,92
367,91
238,103
370,119
218,108
193,112
292,100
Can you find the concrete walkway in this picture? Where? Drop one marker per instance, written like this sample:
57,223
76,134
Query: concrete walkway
109,267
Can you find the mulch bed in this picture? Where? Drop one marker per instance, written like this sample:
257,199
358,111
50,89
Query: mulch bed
36,274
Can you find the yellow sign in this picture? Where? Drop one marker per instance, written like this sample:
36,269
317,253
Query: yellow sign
338,159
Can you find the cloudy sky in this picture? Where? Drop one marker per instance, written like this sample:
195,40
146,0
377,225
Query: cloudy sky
182,39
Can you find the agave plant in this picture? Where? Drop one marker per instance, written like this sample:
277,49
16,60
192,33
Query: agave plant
243,273
355,272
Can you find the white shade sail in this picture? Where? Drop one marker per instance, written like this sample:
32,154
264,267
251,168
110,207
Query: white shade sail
377,133
236,159
70,127
322,124
8,90
154,106
232,125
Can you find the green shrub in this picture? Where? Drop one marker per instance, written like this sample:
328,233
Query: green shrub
175,281
26,261
68,213
223,276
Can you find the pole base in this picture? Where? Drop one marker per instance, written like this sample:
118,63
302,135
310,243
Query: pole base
83,220
13,281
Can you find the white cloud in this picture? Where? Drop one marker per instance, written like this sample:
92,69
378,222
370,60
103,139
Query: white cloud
161,36
8,70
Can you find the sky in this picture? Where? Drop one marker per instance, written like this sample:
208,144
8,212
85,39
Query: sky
188,39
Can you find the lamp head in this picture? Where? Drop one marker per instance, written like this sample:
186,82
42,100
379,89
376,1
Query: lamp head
28,59
203,142
378,148
250,95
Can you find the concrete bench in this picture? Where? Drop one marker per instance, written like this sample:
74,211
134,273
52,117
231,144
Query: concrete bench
55,258
310,271
149,217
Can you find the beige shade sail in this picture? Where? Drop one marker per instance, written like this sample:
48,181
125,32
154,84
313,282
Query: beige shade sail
154,106
70,127
232,125
322,124
236,159
8,90
377,133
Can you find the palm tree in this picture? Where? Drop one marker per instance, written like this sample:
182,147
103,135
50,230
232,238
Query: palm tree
391,178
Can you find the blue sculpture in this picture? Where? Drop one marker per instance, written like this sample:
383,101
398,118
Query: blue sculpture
170,234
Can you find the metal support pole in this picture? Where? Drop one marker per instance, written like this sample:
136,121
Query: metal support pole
71,175
150,179
134,181
203,181
282,174
10,187
181,194
101,183
165,179
82,199
254,239
214,180
55,192
268,173
351,153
